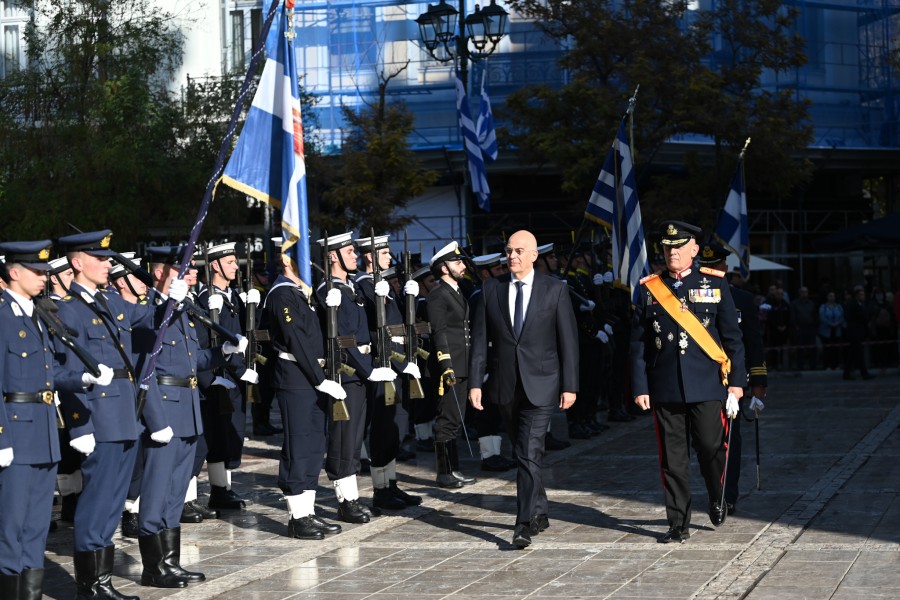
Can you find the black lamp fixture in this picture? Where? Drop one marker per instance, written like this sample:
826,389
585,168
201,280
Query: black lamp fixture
484,28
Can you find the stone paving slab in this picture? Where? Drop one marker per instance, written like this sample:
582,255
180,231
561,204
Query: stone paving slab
825,522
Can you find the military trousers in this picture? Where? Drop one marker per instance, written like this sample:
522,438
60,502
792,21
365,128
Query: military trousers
224,425
384,434
680,426
106,473
451,411
167,473
345,438
26,498
304,417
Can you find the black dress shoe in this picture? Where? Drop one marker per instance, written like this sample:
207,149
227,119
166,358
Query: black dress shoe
730,507
596,427
425,445
130,524
579,431
619,416
404,455
407,499
305,528
350,511
539,523
675,534
716,513
383,498
522,535
189,514
222,497
496,463
325,527
551,443
868,376
446,480
266,429
204,511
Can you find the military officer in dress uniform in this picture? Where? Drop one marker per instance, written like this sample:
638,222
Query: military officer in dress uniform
384,435
167,464
29,443
345,438
106,416
687,360
224,408
297,376
713,255
448,312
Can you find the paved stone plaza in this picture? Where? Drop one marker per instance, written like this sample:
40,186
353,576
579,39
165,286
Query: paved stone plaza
825,523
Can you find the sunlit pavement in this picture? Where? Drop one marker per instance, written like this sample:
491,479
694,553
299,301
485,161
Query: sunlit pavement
825,522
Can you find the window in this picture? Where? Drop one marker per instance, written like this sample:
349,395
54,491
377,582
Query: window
237,39
10,48
256,25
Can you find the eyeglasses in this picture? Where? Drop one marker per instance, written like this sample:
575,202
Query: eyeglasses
518,251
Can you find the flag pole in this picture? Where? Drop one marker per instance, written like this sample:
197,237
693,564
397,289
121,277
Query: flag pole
144,386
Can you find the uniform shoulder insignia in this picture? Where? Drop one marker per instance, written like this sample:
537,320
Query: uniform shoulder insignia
647,278
713,272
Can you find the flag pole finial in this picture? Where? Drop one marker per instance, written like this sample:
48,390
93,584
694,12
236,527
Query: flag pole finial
744,149
633,100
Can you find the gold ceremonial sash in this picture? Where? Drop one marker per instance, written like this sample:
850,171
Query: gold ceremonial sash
690,323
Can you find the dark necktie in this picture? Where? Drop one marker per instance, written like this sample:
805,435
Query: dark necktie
519,315
102,302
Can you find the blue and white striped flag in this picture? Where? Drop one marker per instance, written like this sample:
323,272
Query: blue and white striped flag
614,203
477,171
733,228
268,161
487,137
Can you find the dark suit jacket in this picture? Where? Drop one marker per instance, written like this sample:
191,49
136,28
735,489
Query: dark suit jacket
546,354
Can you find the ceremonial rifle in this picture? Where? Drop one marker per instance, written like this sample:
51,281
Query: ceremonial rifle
383,351
250,332
213,314
412,328
334,343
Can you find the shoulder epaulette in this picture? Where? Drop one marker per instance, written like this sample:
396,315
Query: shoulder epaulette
713,272
67,298
648,278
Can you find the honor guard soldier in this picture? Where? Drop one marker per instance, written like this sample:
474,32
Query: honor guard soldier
224,408
687,361
488,422
384,435
714,255
424,409
345,437
29,442
129,287
168,463
448,312
297,376
102,423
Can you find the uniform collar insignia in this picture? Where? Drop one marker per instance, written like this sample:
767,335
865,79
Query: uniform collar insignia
87,297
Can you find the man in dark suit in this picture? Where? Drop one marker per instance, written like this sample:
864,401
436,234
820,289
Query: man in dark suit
527,319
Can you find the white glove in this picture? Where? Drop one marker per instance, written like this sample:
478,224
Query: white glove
6,457
382,374
216,301
225,383
608,328
598,279
382,289
104,379
601,335
163,436
229,348
178,290
250,376
252,297
411,287
333,389
243,297
333,297
756,404
397,339
732,408
413,369
765,306
587,307
608,277
84,444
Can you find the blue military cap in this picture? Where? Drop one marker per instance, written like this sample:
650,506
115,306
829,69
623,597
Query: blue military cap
167,255
712,253
34,255
95,243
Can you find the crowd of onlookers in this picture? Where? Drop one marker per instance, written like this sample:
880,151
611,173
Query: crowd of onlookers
851,329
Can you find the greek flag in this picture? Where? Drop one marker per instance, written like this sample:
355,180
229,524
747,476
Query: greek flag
487,137
477,171
268,161
614,203
733,229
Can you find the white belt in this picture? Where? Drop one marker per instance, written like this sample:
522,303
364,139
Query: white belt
287,356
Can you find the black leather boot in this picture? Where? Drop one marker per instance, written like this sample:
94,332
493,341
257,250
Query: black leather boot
9,586
155,573
31,583
407,499
442,457
351,512
171,539
305,528
454,465
93,575
222,497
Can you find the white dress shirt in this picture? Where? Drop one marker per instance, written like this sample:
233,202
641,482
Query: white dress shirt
528,280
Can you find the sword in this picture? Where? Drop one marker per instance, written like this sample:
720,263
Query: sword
725,472
462,424
756,425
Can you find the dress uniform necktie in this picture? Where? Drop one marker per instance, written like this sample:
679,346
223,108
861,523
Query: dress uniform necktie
102,302
519,315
